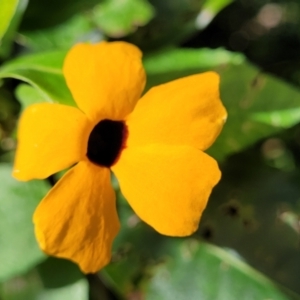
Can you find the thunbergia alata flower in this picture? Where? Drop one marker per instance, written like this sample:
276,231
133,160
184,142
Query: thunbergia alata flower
153,145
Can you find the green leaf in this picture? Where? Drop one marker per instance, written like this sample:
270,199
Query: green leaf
9,36
52,280
44,72
66,272
182,267
254,93
187,61
282,118
118,18
255,209
7,10
194,270
63,36
75,291
18,247
245,92
28,95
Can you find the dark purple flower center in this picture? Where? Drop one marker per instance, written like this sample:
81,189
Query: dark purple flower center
106,142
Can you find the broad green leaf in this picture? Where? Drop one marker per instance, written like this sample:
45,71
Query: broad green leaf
52,280
169,61
117,18
160,267
44,72
18,247
253,209
194,270
10,34
66,272
245,92
7,10
28,95
63,36
75,291
283,118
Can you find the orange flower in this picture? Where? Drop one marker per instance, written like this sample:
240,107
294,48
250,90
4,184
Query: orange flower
156,152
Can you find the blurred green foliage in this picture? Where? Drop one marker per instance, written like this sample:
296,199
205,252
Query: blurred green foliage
8,9
118,18
247,245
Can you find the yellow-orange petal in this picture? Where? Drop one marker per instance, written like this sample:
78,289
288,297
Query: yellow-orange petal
167,186
187,111
105,79
51,137
77,219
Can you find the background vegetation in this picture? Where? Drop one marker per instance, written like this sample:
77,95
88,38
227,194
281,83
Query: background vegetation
247,245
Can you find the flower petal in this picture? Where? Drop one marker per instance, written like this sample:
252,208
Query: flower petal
77,219
186,111
105,79
167,186
51,137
